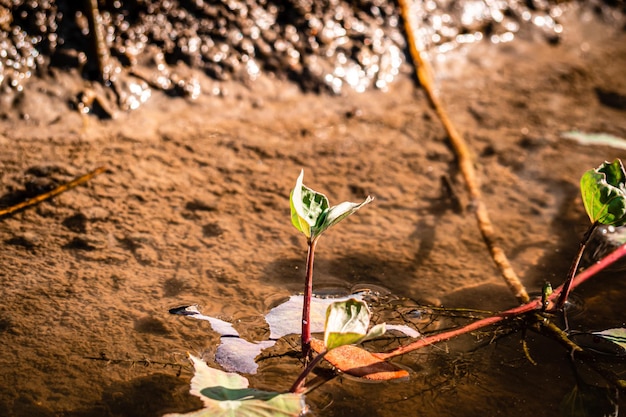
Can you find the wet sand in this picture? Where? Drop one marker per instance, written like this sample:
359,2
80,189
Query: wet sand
194,208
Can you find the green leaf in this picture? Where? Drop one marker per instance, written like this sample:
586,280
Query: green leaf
308,208
347,323
339,212
310,211
227,395
603,192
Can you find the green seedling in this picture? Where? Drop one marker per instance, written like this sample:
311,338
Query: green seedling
312,215
603,192
347,323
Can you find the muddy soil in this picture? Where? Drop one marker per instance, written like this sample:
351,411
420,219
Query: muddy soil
193,208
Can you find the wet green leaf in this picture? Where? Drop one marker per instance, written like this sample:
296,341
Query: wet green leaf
604,193
310,211
590,401
227,395
347,323
339,212
308,208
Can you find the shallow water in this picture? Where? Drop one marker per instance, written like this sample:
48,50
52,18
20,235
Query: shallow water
194,210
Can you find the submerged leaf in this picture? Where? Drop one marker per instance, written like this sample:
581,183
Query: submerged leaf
590,401
360,363
234,353
227,395
603,192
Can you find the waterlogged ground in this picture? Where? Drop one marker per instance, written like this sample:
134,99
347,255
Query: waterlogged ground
193,209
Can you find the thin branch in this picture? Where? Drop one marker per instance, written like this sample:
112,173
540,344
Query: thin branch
574,267
466,165
535,304
50,194
298,385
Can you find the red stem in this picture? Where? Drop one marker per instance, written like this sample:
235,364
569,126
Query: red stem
298,384
514,312
574,267
306,305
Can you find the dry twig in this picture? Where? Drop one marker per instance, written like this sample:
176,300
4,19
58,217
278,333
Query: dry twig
466,165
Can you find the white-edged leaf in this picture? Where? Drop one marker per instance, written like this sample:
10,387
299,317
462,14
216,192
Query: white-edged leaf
347,323
286,318
595,139
222,327
341,211
402,328
227,395
308,208
235,354
616,336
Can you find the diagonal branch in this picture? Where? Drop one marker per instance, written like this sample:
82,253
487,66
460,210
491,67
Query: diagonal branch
53,193
530,306
466,165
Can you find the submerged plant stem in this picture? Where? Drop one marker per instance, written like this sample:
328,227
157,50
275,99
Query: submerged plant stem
574,267
534,304
466,165
306,304
298,385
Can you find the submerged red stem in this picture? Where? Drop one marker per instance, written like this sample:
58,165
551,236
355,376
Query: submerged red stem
514,312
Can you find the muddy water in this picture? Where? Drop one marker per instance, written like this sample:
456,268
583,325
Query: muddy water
194,209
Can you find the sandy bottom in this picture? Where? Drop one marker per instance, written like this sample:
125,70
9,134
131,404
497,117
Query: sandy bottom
193,208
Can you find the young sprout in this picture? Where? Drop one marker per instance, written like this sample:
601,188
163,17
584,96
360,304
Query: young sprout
603,191
312,215
347,323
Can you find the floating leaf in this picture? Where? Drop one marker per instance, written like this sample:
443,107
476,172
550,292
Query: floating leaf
233,353
615,336
590,401
360,363
347,323
604,193
595,139
286,319
402,328
222,327
227,395
310,211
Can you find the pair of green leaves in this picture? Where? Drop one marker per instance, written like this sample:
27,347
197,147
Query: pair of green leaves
311,213
603,192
